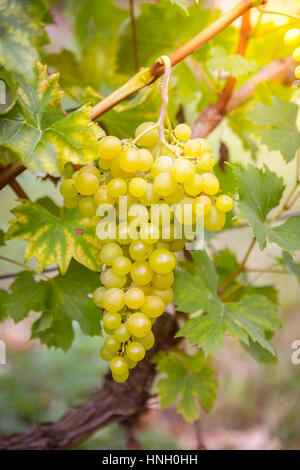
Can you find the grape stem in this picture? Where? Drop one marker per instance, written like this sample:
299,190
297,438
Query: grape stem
164,86
238,270
24,266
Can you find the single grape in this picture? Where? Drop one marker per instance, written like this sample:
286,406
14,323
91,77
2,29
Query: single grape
87,206
67,189
162,164
162,244
105,354
135,351
116,170
117,187
205,145
163,281
202,205
113,300
139,324
109,147
98,296
292,37
120,378
139,250
141,273
150,138
177,245
109,279
104,164
183,211
109,252
137,187
138,211
176,197
90,169
205,162
184,170
102,196
210,184
146,288
86,184
215,220
296,54
165,294
146,160
123,234
153,306
164,184
183,132
192,148
119,366
147,341
122,333
149,233
150,197
162,261
131,364
112,320
121,265
129,160
71,203
224,203
134,298
194,187
111,344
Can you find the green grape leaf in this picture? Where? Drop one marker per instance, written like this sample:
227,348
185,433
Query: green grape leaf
60,300
250,317
290,265
149,25
26,295
260,190
225,264
196,292
287,235
3,304
182,4
236,65
188,380
55,240
22,31
227,179
259,353
2,238
36,130
201,286
243,128
277,126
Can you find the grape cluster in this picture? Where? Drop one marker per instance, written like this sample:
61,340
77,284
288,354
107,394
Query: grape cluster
292,38
138,265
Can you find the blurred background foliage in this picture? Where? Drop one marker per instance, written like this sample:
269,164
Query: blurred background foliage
258,404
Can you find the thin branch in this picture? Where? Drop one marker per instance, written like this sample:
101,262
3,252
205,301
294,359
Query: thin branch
134,36
149,75
287,15
238,270
15,186
13,275
11,172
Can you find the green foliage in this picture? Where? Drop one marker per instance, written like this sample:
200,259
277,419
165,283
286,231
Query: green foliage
3,304
2,238
249,318
60,300
187,380
277,126
21,26
290,266
236,65
260,190
52,239
36,130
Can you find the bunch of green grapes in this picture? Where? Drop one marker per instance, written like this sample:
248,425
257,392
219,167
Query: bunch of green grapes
137,275
292,38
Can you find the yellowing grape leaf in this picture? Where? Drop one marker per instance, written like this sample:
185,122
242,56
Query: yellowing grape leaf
55,240
36,130
187,380
277,126
21,32
60,299
196,292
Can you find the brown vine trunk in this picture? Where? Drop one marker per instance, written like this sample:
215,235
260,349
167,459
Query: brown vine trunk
111,403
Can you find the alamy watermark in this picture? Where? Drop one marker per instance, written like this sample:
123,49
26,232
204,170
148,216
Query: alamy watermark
2,92
2,352
295,357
